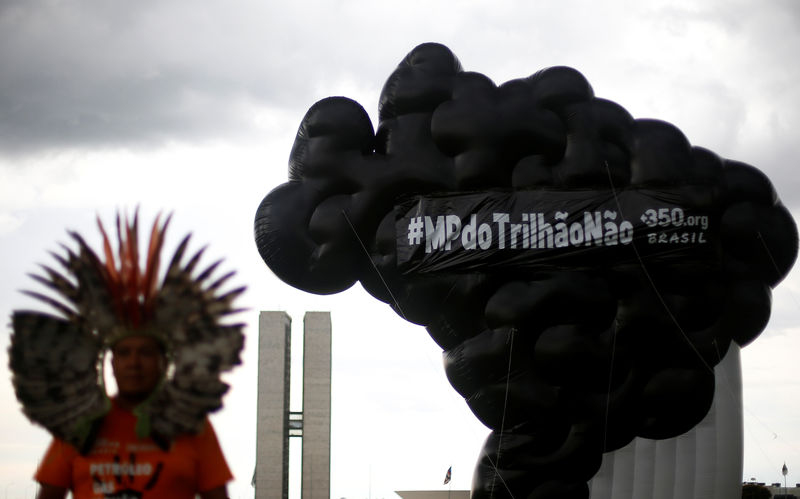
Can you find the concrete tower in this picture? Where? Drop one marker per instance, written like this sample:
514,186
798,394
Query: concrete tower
275,424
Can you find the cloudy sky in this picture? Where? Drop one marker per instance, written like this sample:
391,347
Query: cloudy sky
191,108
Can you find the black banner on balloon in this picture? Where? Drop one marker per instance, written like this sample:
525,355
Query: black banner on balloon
552,228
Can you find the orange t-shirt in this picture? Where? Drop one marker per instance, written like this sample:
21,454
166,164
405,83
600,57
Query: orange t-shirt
121,465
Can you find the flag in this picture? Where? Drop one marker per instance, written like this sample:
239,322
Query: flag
785,470
448,475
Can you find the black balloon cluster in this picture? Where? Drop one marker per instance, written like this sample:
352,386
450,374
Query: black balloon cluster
562,361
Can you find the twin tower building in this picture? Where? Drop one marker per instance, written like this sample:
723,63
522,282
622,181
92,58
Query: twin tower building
276,423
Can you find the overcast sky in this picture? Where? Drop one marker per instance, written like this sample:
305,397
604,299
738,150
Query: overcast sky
191,107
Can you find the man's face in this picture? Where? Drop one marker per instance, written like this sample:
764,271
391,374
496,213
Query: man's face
138,363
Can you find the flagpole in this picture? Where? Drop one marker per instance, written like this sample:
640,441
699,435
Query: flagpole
785,471
449,488
448,481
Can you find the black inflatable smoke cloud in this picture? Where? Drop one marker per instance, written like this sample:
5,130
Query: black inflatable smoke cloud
583,271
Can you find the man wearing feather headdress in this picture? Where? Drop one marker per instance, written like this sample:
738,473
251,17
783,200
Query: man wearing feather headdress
168,348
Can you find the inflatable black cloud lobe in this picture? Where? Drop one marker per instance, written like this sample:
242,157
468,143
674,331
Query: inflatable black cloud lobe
582,270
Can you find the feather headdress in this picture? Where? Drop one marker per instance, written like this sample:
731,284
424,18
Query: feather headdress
57,360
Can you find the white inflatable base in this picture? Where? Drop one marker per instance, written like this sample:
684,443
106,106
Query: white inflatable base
704,463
